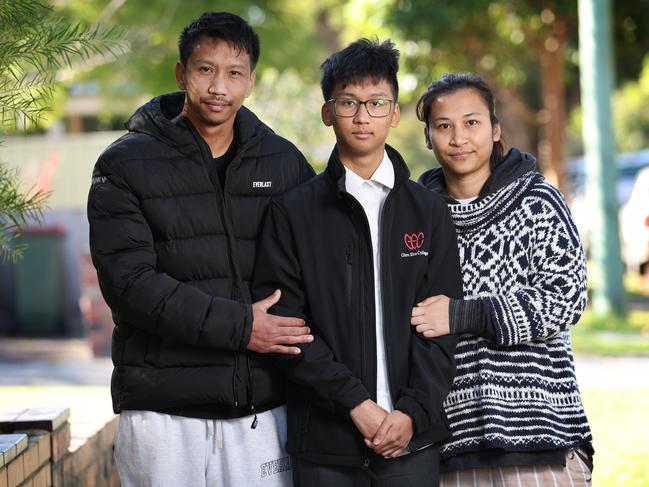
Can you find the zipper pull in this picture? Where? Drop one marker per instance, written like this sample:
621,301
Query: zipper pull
255,421
349,253
366,464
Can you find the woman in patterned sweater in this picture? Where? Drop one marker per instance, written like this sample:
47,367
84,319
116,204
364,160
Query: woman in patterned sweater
515,412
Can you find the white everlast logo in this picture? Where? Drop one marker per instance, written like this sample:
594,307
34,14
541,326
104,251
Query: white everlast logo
262,184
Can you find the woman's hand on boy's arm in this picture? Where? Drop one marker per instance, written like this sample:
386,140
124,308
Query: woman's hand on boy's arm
431,316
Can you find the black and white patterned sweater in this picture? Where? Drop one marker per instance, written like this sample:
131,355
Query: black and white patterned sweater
523,265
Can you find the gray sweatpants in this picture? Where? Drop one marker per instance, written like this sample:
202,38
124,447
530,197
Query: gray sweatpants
159,450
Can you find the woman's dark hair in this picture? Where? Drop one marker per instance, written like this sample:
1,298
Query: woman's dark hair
362,60
220,26
452,82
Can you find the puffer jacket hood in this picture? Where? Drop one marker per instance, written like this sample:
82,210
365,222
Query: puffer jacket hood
159,118
512,166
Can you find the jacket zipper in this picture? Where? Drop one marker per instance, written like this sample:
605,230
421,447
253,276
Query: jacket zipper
356,207
348,276
222,204
360,212
385,280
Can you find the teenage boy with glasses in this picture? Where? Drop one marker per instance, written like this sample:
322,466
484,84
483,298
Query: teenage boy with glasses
352,251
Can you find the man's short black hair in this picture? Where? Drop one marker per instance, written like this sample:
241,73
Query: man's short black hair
220,25
362,60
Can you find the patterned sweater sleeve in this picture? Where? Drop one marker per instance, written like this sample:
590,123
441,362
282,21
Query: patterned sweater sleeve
554,296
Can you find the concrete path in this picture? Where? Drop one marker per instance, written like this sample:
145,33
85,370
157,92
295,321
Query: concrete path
95,372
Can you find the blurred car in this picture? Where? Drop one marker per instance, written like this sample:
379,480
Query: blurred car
634,225
629,165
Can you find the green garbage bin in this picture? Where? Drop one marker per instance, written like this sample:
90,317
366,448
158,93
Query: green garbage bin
39,282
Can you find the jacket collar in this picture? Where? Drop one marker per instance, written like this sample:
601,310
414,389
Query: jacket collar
336,170
161,118
384,175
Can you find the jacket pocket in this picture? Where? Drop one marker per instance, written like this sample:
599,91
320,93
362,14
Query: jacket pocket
304,427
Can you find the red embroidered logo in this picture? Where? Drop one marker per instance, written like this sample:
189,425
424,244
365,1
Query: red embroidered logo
414,241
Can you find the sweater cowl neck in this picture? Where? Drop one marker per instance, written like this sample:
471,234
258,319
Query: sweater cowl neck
513,165
509,181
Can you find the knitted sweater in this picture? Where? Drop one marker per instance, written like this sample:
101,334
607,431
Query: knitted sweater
522,261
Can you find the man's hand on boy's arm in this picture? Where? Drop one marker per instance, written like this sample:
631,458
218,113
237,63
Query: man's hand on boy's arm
431,316
367,417
393,436
275,334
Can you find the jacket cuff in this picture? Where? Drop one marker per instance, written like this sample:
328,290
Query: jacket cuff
352,399
412,408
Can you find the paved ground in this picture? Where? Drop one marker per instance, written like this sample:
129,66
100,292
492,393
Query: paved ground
95,372
592,372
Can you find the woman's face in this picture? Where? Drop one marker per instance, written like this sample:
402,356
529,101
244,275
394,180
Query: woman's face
461,134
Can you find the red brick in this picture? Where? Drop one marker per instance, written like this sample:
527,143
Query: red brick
89,477
66,467
84,456
4,482
44,448
113,480
40,479
60,442
56,471
40,440
30,459
108,433
16,472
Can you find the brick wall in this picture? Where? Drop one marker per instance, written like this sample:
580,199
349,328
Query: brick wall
38,449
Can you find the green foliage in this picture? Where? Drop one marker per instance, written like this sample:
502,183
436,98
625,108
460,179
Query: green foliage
630,116
35,45
16,209
631,119
286,29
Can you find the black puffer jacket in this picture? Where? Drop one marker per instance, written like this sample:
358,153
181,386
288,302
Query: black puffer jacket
174,255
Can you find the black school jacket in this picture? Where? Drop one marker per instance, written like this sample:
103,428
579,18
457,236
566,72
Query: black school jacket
316,248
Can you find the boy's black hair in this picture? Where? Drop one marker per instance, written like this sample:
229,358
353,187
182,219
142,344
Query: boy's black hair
220,25
452,82
362,60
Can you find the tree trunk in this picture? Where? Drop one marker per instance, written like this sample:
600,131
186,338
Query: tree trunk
552,116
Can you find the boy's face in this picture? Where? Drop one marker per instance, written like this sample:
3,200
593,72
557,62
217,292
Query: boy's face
361,135
216,79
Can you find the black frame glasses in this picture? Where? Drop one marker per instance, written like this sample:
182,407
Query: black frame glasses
335,103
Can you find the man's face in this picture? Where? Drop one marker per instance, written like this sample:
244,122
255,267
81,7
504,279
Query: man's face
216,79
361,135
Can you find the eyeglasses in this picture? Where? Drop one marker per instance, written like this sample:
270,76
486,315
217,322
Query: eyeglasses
348,107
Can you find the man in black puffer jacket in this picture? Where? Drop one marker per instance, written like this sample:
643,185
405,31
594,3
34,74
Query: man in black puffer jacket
174,209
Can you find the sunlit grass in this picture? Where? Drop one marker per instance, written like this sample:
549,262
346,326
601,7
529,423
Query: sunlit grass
618,420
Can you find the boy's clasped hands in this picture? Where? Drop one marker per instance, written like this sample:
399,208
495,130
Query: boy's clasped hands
388,434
